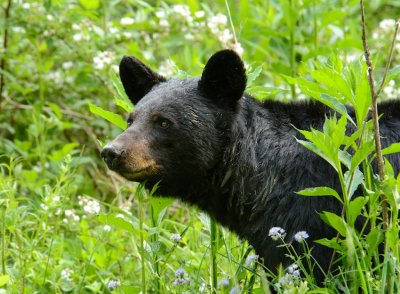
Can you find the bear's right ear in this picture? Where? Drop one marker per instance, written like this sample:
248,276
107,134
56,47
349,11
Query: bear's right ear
224,78
137,78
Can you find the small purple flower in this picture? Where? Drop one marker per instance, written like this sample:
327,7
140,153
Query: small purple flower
113,284
180,272
294,270
223,284
181,281
235,290
301,236
250,259
276,233
176,238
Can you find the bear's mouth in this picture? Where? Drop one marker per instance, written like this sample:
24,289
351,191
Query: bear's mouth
140,174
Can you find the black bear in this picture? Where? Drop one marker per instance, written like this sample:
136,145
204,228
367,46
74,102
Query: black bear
209,144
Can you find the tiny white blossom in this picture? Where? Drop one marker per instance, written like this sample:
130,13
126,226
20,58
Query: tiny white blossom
107,228
66,274
250,259
199,14
26,5
113,284
120,215
175,238
126,21
301,236
164,23
161,14
387,24
44,206
67,65
277,233
77,37
56,198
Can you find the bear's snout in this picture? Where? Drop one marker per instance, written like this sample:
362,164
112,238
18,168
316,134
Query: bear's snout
112,156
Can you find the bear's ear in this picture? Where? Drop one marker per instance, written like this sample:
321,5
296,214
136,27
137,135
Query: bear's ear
224,78
137,78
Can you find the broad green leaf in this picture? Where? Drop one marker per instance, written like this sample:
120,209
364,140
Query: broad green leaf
122,100
361,154
393,148
119,222
320,191
60,154
159,205
4,280
335,222
90,4
354,209
317,151
374,238
329,243
109,116
352,181
252,76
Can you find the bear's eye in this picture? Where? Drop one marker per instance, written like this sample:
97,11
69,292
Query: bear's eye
129,122
163,123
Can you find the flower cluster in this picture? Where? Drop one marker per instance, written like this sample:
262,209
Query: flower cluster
291,277
91,206
251,259
176,238
301,236
277,233
70,215
180,277
66,274
113,284
103,59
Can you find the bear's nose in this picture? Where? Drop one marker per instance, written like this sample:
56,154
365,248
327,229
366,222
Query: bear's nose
112,156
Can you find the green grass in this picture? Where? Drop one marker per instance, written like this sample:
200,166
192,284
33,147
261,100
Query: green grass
68,225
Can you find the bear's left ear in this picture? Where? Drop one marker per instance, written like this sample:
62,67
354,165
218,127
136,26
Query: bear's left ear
224,77
137,78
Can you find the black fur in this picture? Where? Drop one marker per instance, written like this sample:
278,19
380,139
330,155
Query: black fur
237,159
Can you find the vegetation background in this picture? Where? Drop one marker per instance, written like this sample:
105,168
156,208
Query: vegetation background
68,225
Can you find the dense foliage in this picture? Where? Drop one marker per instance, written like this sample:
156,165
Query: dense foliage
70,225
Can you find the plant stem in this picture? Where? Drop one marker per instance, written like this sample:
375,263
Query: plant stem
5,46
142,251
214,240
375,117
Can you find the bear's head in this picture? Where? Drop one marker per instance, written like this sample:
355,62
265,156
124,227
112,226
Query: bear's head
179,127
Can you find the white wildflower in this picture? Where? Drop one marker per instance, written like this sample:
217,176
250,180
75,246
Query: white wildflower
120,215
77,37
164,23
182,10
387,24
103,59
251,259
67,65
199,14
44,206
126,21
107,228
26,5
301,236
76,27
161,14
277,233
176,238
66,274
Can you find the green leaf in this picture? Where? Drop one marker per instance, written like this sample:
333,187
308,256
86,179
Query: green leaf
361,154
4,280
130,289
119,222
352,181
335,222
393,148
122,99
90,4
329,243
109,116
251,76
159,206
320,191
354,209
318,151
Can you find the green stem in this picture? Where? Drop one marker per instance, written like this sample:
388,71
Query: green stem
142,250
214,241
3,241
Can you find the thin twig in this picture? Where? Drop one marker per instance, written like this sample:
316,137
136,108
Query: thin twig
375,117
389,58
5,46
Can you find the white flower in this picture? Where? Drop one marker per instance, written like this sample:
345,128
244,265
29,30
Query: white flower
44,206
126,21
182,10
277,233
49,17
217,22
103,59
67,65
113,30
68,212
161,14
301,236
66,274
76,27
26,5
127,35
189,37
107,228
199,14
56,198
77,37
175,238
164,23
120,215
250,259
225,36
113,284
387,24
